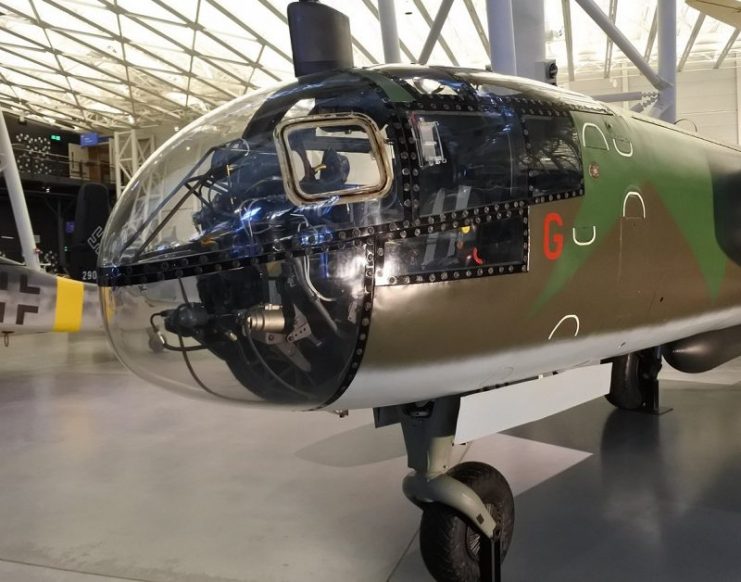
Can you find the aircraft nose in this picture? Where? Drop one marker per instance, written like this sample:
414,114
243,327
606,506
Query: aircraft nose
281,332
240,259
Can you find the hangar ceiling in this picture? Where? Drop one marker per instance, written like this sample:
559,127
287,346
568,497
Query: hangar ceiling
117,64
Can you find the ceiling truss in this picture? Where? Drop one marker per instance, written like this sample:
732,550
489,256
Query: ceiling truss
108,65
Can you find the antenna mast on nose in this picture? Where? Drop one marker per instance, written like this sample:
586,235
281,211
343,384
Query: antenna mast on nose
320,38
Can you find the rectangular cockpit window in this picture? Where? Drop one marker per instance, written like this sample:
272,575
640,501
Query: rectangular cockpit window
554,160
333,158
498,244
469,160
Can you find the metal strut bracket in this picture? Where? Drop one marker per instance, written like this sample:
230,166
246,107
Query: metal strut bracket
429,430
652,405
490,560
441,488
428,435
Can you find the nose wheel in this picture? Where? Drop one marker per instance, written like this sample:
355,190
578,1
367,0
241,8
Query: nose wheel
452,547
468,510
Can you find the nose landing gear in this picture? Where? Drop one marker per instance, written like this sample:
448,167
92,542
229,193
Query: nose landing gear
468,510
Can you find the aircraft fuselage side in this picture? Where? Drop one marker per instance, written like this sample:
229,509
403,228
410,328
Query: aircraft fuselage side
636,262
524,230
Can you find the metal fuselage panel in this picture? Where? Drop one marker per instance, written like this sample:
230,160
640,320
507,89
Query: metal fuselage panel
527,229
641,259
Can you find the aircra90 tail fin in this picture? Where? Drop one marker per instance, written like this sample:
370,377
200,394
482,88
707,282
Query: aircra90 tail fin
91,215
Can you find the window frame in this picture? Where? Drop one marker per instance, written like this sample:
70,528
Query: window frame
516,146
379,151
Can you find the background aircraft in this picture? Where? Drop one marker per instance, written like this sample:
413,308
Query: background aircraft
33,301
728,11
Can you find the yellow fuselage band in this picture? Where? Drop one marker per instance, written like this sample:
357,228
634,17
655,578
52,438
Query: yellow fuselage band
68,312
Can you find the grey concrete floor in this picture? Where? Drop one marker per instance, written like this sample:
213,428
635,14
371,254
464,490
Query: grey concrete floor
103,477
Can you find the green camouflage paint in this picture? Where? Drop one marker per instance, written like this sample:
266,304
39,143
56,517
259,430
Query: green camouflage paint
664,160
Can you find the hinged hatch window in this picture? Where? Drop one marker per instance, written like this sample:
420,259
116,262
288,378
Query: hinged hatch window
333,158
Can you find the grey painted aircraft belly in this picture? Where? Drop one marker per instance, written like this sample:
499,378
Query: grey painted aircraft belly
385,385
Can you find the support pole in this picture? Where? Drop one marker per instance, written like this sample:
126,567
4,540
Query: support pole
566,7
435,30
115,158
389,31
667,35
60,237
135,154
738,102
17,199
528,18
501,36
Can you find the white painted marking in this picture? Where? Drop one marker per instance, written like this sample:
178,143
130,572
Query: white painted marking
628,154
630,195
584,135
496,410
564,319
584,243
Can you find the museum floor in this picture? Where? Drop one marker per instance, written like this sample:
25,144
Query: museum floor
105,478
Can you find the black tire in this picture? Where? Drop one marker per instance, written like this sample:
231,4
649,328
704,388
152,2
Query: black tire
633,378
449,542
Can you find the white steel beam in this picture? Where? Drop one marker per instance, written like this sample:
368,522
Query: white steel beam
608,51
169,65
528,19
389,31
651,36
39,109
602,20
726,49
501,36
618,97
477,25
373,9
249,30
691,41
129,152
430,22
97,50
568,36
667,36
113,7
243,59
435,30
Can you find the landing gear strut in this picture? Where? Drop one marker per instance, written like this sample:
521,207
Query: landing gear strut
635,382
468,510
